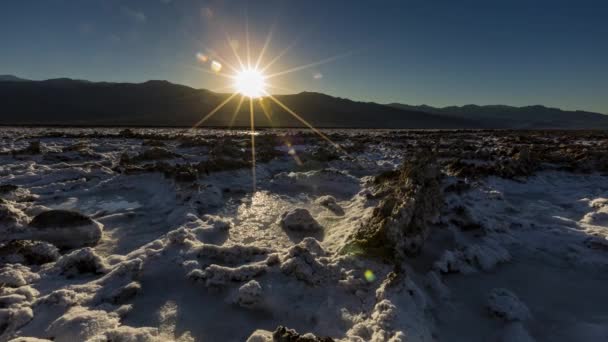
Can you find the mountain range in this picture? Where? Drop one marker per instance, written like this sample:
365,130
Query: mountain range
65,101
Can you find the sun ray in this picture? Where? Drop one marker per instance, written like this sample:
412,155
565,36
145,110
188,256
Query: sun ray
265,111
302,120
310,65
236,111
201,121
233,48
247,41
281,54
263,51
251,117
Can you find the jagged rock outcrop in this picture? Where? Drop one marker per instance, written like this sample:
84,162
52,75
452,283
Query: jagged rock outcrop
411,199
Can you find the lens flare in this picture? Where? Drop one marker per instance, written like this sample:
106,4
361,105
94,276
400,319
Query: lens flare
250,82
216,66
369,276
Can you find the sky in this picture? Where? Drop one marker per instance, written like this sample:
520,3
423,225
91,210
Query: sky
440,53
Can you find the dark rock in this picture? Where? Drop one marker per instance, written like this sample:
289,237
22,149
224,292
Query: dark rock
60,218
153,143
283,334
458,187
6,188
65,229
33,148
154,153
299,220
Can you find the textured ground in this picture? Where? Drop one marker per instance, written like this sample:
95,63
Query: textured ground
161,234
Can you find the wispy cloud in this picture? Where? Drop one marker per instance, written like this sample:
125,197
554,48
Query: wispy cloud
135,15
317,76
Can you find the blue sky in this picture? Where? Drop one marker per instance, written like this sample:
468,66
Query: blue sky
516,52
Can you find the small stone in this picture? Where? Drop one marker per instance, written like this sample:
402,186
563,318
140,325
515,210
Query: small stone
60,218
250,294
504,304
330,203
299,220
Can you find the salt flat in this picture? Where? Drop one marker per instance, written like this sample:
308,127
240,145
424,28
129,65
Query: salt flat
111,234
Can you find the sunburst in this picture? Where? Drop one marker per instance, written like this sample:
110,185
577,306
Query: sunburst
251,82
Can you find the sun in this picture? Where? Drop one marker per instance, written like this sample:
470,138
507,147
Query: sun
250,80
250,83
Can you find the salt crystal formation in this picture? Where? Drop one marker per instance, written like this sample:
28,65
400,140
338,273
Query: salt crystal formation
113,234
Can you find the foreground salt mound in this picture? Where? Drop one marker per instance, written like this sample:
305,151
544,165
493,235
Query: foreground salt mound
81,261
65,229
15,193
28,252
81,324
299,220
271,278
599,215
12,218
16,298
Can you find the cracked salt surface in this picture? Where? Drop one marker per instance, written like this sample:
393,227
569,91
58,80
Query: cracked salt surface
207,259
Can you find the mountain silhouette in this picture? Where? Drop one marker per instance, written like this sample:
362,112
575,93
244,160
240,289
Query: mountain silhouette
527,117
12,78
65,101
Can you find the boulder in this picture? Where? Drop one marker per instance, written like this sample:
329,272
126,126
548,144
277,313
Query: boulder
283,334
65,229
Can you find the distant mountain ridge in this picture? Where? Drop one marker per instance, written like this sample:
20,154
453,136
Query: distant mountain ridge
65,101
12,78
499,116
